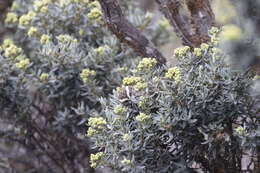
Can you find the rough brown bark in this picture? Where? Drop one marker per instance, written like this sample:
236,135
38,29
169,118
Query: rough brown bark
4,5
202,18
126,32
194,31
171,10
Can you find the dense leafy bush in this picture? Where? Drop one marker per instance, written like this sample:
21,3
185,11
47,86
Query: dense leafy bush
64,76
54,68
196,115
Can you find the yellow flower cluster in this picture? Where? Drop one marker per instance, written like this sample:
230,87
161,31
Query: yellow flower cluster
240,130
94,4
231,33
97,122
44,77
63,3
181,51
95,158
25,19
143,103
11,50
173,73
91,132
66,39
81,32
213,30
94,14
140,86
39,4
131,80
142,117
119,109
146,64
96,125
101,50
45,39
7,43
122,69
86,74
23,64
32,32
197,52
11,18
126,137
44,9
204,46
15,53
126,161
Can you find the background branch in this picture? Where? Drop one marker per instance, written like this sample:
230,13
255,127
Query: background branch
193,31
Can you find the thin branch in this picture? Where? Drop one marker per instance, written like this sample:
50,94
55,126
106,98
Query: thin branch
126,32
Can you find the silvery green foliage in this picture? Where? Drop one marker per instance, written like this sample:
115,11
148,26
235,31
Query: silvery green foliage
47,115
204,121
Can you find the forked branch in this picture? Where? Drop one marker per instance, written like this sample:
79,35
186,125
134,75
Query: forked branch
192,31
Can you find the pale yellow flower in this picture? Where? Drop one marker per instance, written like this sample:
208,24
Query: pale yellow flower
86,74
173,73
94,14
11,18
131,80
45,39
44,77
197,52
23,64
142,117
181,51
32,32
146,64
95,158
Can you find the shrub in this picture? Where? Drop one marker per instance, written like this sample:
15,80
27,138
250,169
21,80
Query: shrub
196,115
60,72
54,68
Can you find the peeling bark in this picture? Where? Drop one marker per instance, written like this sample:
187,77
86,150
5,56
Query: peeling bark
126,32
194,31
202,18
